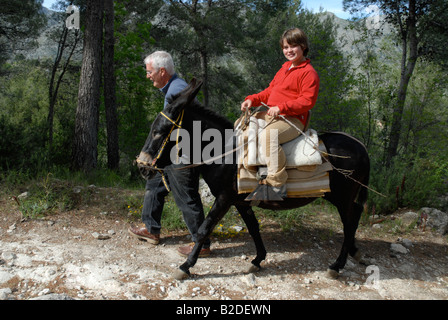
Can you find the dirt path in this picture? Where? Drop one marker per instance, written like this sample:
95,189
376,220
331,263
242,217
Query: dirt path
62,256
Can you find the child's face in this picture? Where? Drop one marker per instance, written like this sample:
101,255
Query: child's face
293,53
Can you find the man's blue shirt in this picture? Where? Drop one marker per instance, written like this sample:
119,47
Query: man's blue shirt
173,87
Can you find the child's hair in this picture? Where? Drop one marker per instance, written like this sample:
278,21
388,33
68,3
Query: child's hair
297,37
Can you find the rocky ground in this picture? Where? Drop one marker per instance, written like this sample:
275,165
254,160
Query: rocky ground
87,254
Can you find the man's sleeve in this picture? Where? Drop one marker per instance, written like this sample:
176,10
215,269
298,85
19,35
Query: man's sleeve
175,88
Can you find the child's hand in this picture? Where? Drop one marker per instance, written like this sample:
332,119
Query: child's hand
246,105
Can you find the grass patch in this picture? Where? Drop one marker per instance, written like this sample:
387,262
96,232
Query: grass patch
53,193
231,225
47,196
319,211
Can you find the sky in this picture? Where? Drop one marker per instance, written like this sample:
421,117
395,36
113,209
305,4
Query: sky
334,6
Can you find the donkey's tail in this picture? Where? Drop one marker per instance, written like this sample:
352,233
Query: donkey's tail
363,192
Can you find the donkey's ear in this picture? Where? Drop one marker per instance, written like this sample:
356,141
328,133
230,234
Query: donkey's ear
184,98
193,89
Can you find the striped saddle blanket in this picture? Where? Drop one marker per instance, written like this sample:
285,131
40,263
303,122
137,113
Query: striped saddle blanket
308,171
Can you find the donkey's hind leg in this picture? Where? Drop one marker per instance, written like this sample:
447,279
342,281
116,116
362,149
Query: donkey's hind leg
350,216
354,252
253,227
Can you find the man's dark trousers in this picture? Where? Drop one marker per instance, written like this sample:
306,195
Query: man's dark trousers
184,185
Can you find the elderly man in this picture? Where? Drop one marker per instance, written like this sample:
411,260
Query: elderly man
183,183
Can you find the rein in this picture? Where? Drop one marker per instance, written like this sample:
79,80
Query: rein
244,122
245,119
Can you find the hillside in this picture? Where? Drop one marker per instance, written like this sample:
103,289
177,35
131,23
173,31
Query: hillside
347,35
48,48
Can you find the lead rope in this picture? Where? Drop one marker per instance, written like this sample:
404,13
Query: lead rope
307,138
246,119
344,172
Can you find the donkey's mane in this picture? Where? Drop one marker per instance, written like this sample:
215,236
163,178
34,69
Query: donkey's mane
210,115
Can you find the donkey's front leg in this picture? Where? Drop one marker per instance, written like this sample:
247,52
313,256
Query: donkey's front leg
184,270
217,212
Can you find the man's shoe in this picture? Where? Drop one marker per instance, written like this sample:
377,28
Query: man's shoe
142,233
186,250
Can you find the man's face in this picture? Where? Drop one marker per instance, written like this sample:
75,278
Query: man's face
158,77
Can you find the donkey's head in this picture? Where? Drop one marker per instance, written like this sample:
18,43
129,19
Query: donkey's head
155,152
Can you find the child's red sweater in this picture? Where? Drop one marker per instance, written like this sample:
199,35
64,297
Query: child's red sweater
293,90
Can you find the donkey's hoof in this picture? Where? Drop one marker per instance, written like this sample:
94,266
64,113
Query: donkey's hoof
180,275
253,268
359,258
332,274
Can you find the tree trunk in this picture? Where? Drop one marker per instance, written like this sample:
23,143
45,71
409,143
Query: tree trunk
55,83
85,147
407,68
204,69
51,92
113,158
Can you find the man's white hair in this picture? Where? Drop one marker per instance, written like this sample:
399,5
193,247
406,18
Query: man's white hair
161,59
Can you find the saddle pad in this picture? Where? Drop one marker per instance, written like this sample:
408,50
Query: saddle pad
300,151
299,184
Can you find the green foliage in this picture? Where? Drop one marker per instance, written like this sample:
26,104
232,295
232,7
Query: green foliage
332,111
181,31
19,20
138,101
23,116
260,53
357,95
412,184
45,196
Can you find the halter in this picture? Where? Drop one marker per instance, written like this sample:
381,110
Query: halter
178,124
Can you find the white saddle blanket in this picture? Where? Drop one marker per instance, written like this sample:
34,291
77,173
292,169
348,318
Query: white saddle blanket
308,174
301,151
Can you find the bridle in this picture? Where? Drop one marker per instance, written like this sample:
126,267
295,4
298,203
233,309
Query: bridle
176,124
153,165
